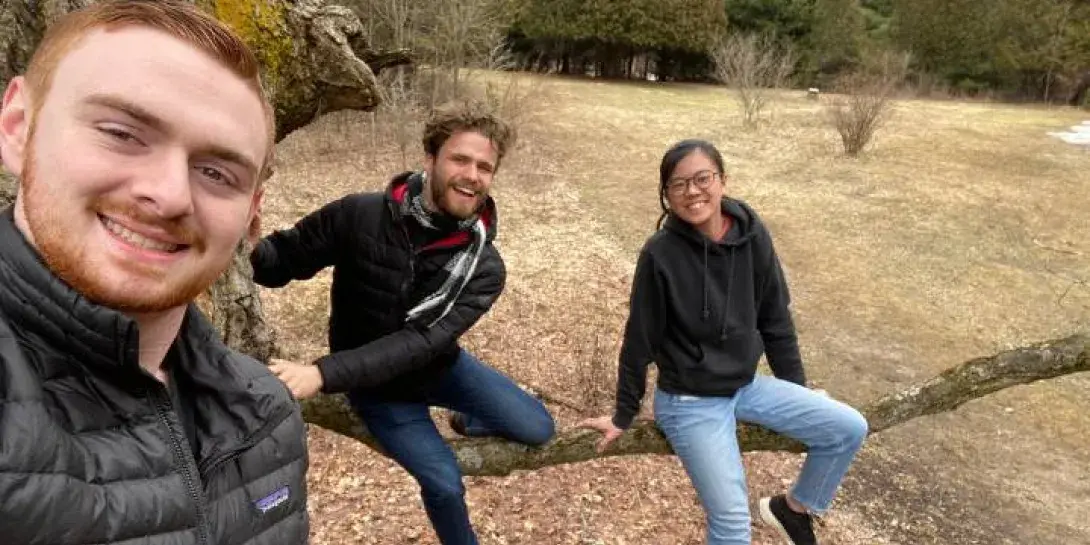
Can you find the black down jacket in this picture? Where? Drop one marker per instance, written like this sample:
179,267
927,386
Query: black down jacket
381,268
94,450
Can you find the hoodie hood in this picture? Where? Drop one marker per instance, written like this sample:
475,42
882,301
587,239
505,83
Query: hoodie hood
398,189
744,217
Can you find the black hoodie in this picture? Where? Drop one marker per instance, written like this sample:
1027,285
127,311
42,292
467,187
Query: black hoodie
704,311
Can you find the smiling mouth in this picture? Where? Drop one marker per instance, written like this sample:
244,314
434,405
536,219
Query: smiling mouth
696,205
138,240
465,192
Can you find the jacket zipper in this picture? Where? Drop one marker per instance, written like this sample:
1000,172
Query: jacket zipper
162,408
406,287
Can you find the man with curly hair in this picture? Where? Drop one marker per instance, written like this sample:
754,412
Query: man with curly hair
414,267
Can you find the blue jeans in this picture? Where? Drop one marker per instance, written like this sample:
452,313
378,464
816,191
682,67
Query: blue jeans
492,405
703,433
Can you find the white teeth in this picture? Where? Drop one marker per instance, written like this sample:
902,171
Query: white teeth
137,239
466,192
696,206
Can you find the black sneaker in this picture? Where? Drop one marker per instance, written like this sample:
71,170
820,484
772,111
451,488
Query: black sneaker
795,528
458,423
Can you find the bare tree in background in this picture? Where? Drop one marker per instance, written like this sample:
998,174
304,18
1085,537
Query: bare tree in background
865,97
751,65
402,113
456,35
457,47
512,94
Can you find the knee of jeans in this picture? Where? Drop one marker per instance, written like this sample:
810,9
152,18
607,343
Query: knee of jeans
443,490
541,430
855,429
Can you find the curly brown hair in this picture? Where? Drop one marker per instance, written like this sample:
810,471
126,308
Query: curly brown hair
467,115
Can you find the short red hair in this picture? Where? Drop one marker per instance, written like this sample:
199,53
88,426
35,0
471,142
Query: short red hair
181,20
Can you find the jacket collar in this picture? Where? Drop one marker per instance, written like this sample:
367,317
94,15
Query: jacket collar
744,216
37,300
397,189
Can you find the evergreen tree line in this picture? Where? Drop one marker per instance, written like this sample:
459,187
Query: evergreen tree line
1010,49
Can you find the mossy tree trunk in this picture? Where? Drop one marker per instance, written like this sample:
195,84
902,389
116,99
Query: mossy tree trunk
1079,91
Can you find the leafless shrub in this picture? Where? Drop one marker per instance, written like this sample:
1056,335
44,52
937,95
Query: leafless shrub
401,113
865,99
458,48
751,65
457,35
515,96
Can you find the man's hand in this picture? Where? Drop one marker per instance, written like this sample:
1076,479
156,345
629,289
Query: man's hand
303,380
605,425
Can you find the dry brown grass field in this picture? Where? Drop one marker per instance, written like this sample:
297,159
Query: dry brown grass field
960,233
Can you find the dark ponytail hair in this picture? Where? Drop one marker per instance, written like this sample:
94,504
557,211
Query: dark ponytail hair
673,156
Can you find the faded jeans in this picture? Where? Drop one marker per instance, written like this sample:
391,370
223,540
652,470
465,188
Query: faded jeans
703,433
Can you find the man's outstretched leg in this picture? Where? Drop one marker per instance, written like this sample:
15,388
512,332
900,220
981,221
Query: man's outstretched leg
487,403
407,433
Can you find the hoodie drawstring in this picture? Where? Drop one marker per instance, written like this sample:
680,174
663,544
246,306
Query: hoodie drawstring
730,289
705,312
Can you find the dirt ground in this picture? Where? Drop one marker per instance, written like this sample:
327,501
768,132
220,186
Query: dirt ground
960,234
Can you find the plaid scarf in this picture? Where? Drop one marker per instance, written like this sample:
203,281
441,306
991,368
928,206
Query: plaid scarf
461,266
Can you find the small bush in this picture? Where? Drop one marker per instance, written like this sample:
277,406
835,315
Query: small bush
751,65
865,100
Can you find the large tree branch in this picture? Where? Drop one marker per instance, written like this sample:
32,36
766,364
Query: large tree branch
979,377
381,60
235,308
947,391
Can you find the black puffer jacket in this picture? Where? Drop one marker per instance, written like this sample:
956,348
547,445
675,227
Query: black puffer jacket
379,272
94,450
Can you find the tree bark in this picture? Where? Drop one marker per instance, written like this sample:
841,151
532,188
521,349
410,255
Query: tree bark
7,189
1077,97
315,56
233,304
947,391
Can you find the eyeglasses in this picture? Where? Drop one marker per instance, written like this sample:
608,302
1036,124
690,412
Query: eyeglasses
678,186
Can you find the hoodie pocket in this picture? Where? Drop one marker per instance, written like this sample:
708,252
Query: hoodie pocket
725,364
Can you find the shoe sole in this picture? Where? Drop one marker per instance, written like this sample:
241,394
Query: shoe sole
771,520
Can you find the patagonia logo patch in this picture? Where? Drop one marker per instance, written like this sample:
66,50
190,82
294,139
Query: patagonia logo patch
271,501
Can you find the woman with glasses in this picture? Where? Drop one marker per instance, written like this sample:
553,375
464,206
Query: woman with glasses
708,299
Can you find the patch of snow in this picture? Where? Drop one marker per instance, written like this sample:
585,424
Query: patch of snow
1079,135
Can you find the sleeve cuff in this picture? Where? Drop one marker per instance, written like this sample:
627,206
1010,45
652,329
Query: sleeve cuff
623,421
329,386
